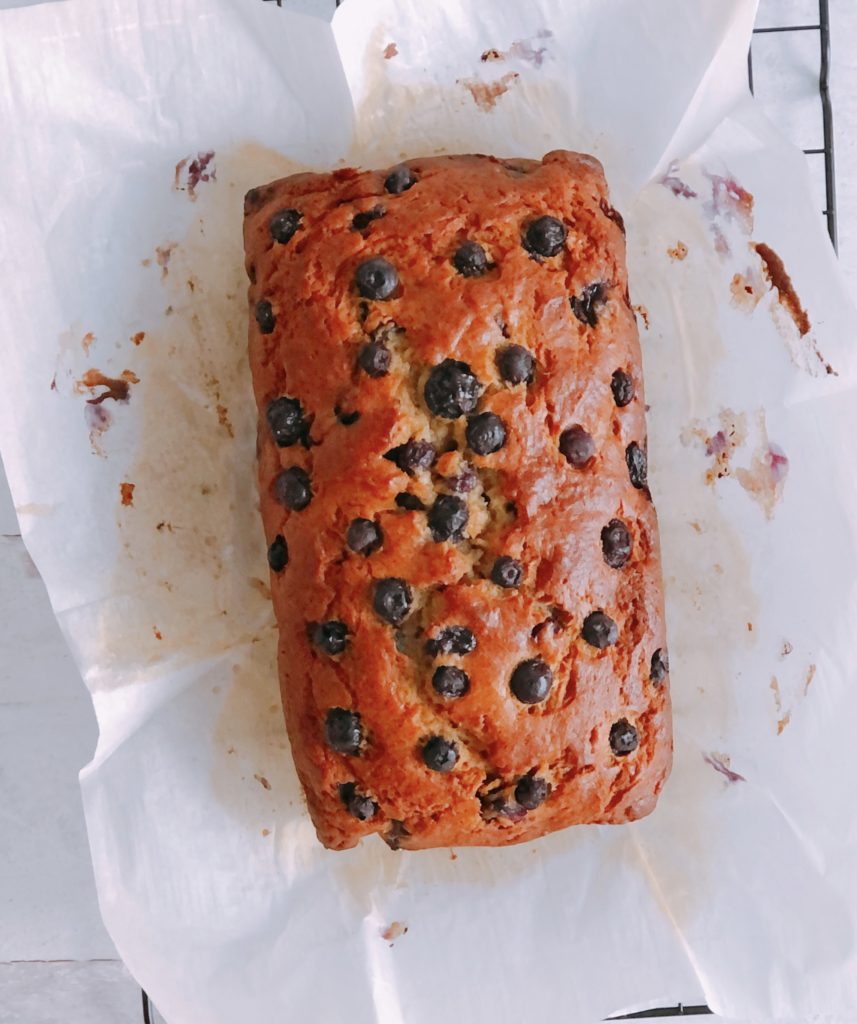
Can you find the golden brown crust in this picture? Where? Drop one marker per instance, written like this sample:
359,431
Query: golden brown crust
527,502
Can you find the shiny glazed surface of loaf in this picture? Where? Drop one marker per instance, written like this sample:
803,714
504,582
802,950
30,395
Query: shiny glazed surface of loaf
464,551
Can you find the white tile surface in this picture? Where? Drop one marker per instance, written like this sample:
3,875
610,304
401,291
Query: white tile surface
72,993
47,731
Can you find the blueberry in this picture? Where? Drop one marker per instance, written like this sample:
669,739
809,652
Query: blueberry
357,804
449,681
278,554
531,791
486,433
622,386
500,804
412,455
363,536
447,518
660,666
586,307
292,488
616,543
545,236
392,600
599,630
464,482
531,681
374,359
376,279
399,180
578,447
343,731
286,420
440,754
623,738
409,502
361,221
516,364
638,466
265,317
284,224
331,636
451,640
452,389
470,260
347,419
507,572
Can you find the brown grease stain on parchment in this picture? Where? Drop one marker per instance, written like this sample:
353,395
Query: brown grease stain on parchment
707,568
394,116
253,775
764,479
486,93
193,549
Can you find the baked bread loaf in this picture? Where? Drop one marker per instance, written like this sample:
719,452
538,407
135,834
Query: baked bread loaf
452,465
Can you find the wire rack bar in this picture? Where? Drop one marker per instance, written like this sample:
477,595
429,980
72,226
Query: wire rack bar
827,150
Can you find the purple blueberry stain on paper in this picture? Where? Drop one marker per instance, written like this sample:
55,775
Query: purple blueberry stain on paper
98,420
527,50
720,763
674,183
191,171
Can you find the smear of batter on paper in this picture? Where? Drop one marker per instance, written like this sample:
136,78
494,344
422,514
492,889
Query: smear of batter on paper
162,256
775,273
765,477
394,931
769,276
748,289
390,51
783,719
486,94
117,388
677,252
784,714
720,444
522,49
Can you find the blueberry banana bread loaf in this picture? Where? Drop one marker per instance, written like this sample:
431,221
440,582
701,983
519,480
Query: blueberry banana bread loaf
452,464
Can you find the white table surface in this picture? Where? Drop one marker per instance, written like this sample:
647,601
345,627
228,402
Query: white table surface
52,941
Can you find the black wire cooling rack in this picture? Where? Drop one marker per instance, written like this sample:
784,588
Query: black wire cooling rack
822,27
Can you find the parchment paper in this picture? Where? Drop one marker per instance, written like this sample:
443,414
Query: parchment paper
130,133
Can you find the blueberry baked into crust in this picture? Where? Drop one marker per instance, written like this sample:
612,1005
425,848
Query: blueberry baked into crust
453,475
